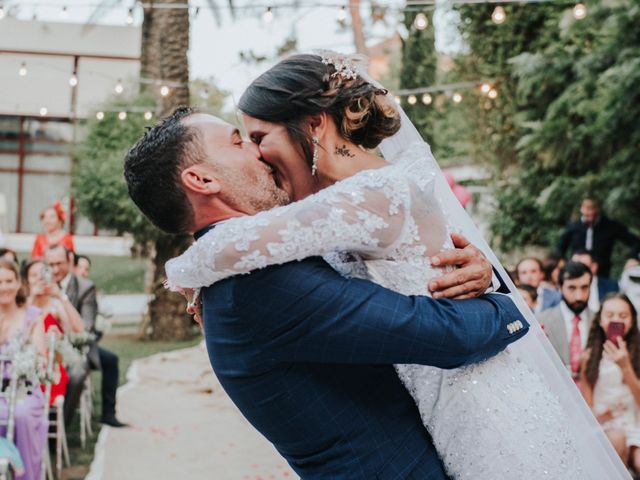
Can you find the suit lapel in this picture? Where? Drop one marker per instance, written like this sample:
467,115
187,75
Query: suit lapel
559,333
72,290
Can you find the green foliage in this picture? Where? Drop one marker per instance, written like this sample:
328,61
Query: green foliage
419,62
566,120
98,182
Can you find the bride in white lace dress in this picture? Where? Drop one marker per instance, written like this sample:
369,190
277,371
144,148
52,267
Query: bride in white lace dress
498,419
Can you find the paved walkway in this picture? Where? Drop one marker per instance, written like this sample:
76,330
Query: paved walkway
183,426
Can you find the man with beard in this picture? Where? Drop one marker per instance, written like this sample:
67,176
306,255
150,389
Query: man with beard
567,324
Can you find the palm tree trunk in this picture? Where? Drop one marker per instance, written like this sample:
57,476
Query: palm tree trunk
357,27
165,44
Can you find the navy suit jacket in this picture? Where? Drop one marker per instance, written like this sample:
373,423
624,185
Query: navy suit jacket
306,355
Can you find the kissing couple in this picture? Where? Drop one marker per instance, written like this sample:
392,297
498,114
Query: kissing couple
343,312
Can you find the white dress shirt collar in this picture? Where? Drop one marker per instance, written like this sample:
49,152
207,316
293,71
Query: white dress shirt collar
64,284
568,316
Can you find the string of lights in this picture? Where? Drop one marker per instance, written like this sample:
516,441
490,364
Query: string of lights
269,8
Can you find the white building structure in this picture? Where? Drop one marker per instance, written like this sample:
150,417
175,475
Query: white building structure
53,76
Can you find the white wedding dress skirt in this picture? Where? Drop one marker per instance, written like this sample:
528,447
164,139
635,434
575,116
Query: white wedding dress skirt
495,420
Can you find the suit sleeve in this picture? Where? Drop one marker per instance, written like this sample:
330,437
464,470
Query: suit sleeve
564,240
306,312
89,308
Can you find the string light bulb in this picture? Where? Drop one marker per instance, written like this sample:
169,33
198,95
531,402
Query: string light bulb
421,21
130,17
64,13
485,88
267,16
398,100
23,70
342,14
411,99
2,12
122,115
100,116
427,99
579,11
457,98
492,94
43,111
73,80
119,87
148,115
499,15
164,90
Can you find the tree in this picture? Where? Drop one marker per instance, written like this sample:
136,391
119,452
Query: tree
165,43
581,115
419,67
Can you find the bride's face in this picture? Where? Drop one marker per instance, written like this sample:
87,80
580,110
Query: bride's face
277,148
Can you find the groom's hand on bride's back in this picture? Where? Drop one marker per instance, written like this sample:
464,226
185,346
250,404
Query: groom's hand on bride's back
471,277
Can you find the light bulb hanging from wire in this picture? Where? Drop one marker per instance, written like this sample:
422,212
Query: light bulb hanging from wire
267,16
148,115
2,12
122,115
499,15
421,21
43,111
485,88
164,90
427,99
64,13
73,80
342,14
130,17
100,116
411,99
23,70
492,94
579,11
457,98
119,87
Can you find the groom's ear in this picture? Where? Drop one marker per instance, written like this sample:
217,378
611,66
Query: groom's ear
197,179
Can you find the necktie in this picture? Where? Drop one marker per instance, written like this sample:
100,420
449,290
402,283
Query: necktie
575,347
588,244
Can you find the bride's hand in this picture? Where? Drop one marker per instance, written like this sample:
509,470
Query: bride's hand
194,303
471,277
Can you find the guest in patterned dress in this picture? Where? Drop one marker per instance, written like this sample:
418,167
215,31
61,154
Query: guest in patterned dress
610,377
18,321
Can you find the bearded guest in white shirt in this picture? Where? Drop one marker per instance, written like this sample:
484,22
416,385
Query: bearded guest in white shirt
567,324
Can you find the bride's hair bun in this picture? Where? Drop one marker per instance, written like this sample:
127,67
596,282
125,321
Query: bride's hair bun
365,115
302,85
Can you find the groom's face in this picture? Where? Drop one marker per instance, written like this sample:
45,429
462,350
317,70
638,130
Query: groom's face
248,183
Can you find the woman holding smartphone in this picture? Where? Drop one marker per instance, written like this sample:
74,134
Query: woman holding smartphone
610,374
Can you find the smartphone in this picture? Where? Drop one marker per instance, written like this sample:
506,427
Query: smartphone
47,275
615,330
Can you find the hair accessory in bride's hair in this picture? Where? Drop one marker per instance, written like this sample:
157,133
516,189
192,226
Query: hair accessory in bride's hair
347,66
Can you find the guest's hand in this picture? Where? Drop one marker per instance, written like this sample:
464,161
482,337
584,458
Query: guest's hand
472,275
605,416
619,354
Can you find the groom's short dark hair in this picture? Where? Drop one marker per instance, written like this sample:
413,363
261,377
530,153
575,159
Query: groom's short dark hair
573,270
152,170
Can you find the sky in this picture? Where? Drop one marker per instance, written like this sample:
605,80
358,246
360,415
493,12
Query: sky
215,48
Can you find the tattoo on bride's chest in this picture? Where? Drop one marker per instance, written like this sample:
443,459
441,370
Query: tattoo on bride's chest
343,151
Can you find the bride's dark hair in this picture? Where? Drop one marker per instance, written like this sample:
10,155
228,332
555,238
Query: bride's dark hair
302,85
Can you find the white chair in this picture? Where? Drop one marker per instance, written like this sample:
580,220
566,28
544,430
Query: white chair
9,395
86,410
56,419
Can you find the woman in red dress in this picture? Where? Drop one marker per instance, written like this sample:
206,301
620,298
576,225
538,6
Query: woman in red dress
52,219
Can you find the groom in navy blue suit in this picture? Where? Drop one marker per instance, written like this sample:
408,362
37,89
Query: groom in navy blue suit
305,354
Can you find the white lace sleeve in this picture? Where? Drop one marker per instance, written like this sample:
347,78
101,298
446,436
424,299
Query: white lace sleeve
366,213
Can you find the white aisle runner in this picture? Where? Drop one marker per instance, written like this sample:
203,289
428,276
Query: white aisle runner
182,426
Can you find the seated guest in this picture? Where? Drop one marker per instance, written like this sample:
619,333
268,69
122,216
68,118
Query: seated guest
20,321
529,272
52,219
9,254
58,313
530,295
82,295
81,266
600,286
551,266
567,324
609,376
